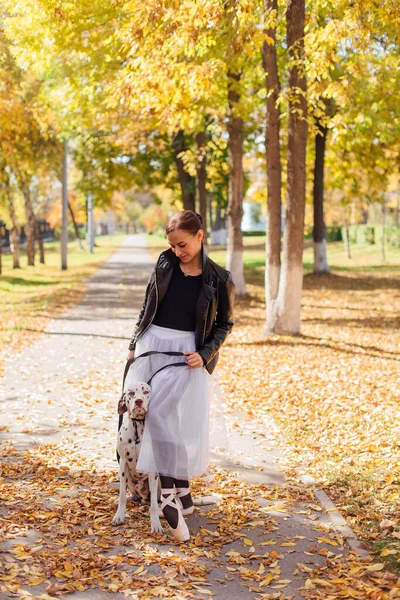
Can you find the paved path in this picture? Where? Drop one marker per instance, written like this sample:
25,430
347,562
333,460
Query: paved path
58,404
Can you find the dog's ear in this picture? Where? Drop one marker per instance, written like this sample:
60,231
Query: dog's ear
122,408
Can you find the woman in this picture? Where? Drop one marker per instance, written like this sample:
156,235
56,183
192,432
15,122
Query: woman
187,308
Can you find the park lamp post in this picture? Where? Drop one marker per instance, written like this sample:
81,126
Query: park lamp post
90,223
64,211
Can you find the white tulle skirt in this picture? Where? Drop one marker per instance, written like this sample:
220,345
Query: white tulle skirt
185,416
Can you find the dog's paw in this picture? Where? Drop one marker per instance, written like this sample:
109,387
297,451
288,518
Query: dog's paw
156,526
119,518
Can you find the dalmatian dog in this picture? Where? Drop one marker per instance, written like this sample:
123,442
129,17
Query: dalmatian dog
133,405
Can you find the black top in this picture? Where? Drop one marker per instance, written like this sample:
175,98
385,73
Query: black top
178,307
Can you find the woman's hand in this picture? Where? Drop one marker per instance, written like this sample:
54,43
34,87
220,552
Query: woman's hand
194,360
131,354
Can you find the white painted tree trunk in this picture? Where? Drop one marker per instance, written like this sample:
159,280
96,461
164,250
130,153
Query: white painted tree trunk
234,212
320,257
234,264
285,313
14,233
274,169
90,224
272,275
347,240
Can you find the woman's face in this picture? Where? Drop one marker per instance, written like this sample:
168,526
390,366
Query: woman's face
184,244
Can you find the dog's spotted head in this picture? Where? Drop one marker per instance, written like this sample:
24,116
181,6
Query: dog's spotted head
135,400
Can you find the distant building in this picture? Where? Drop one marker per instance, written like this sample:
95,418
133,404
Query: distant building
46,233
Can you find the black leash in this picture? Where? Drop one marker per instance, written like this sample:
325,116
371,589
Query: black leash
130,362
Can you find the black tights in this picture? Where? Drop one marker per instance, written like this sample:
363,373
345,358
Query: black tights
170,513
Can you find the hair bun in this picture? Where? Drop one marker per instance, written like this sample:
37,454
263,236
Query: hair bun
200,218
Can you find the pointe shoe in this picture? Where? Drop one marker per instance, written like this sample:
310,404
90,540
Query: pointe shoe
185,511
184,492
181,532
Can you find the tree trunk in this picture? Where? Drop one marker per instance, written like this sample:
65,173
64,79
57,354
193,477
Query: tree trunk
186,181
319,238
210,212
353,213
36,228
285,318
218,216
383,252
14,239
30,226
39,240
202,178
14,233
90,223
273,160
75,226
346,236
234,255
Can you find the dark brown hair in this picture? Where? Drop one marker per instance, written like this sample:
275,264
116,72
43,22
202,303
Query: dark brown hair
187,220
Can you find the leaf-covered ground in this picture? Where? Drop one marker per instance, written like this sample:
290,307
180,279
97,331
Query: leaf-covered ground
61,503
334,391
333,395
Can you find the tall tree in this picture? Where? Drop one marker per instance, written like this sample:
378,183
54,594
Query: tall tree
186,180
273,159
234,211
319,237
201,173
30,220
284,315
15,231
37,232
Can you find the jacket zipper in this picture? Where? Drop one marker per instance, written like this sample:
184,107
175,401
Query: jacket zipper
150,322
205,320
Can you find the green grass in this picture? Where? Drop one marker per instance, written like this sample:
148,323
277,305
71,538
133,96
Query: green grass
52,268
364,257
31,295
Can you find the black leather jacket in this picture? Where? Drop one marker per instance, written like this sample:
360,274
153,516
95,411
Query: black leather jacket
214,305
